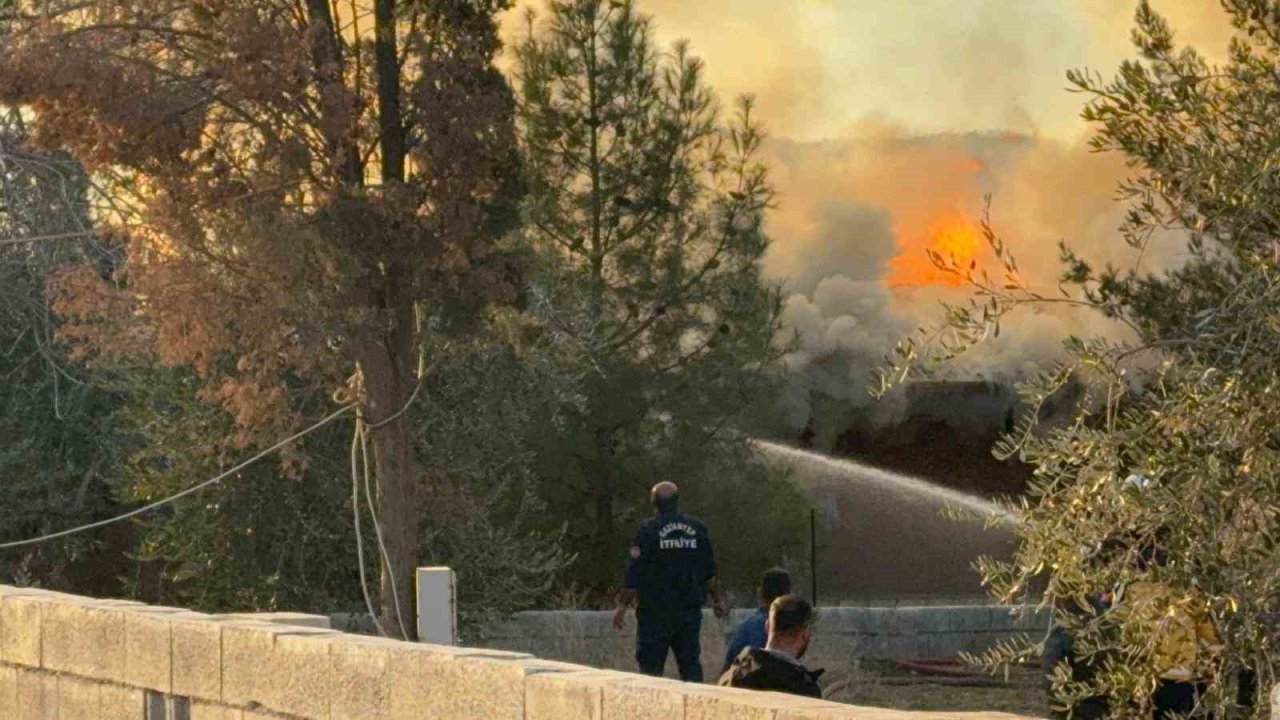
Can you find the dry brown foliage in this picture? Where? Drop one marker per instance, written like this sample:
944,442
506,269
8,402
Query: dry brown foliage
300,184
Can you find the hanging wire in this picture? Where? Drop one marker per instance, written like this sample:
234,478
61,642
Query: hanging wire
355,509
362,433
181,494
360,444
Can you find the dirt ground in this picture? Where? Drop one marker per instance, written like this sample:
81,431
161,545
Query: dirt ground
882,684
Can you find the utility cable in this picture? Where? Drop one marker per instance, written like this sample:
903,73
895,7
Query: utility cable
360,445
355,508
378,533
422,373
179,495
359,451
363,434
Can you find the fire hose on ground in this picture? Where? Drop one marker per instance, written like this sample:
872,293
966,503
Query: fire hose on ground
948,671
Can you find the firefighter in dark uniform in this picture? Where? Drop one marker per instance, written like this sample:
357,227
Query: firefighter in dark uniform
671,570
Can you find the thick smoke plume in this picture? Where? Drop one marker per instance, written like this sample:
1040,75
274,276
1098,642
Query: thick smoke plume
976,93
856,217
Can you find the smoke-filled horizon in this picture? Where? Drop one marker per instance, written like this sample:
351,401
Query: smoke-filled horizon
889,123
822,68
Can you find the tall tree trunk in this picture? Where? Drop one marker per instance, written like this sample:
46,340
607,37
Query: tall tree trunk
391,126
389,361
399,475
389,385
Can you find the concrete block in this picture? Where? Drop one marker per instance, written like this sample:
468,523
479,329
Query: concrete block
846,621
643,698
438,681
931,620
196,656
551,696
918,620
246,650
360,682
283,668
1000,619
583,625
976,619
20,629
83,639
539,624
880,620
299,674
37,695
77,699
8,691
717,703
148,647
889,621
121,703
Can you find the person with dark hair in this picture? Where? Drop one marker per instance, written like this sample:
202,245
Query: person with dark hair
671,570
751,633
777,665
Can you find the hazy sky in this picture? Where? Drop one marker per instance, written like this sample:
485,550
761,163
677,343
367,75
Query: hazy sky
820,67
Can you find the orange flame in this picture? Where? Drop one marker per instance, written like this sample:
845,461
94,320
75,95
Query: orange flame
954,237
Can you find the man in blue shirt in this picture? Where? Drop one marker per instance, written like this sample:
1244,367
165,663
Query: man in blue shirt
671,569
751,633
777,666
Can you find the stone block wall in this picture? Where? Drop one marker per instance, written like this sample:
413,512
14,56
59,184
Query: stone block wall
842,635
64,657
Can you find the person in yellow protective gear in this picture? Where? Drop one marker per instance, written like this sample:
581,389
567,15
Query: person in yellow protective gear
1185,639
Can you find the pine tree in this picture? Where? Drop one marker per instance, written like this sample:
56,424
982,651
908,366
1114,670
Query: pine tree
647,209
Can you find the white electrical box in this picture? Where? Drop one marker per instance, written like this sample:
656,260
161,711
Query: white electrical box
437,606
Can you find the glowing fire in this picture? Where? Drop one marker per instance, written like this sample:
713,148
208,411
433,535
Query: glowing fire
952,237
